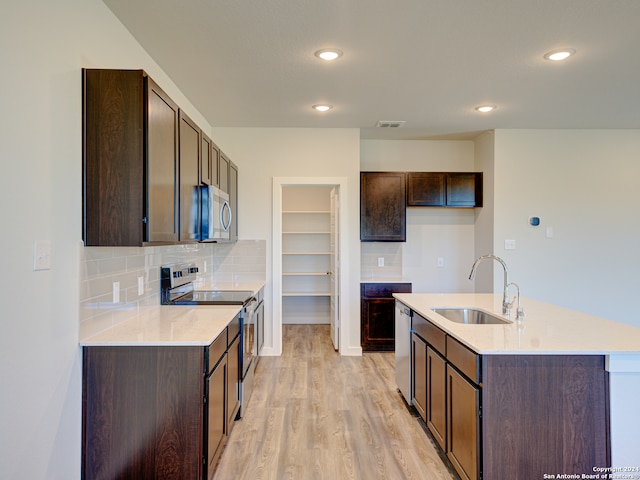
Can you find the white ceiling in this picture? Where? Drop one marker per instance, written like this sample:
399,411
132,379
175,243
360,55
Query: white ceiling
250,63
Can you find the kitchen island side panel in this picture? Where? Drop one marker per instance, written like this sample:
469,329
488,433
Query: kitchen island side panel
544,414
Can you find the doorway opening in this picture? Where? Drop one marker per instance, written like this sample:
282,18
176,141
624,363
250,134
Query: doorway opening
307,278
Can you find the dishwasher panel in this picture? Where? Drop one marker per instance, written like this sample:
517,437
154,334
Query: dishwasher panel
403,351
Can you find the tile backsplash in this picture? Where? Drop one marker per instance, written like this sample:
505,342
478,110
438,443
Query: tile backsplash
370,252
101,267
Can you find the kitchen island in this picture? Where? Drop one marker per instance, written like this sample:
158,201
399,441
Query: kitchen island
525,399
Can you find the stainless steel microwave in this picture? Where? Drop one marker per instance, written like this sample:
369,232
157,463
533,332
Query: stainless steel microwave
216,215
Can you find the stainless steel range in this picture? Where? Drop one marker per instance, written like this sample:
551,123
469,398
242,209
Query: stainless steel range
176,288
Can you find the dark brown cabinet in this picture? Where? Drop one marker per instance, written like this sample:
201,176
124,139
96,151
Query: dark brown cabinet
377,310
130,160
447,401
144,162
426,189
190,149
382,207
233,384
233,201
444,189
496,416
429,377
216,395
223,173
463,432
436,414
419,374
208,163
158,411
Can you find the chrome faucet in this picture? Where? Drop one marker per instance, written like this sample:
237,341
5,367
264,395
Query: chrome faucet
519,309
506,304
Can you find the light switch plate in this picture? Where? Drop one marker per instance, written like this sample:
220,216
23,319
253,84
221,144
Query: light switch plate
41,255
381,261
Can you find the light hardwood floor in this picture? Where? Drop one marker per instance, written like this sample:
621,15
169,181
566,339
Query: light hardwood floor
316,415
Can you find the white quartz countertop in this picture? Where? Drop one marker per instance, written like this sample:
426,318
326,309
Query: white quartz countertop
546,328
174,324
168,325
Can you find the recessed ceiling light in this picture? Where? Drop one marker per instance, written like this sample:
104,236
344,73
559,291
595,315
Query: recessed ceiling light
322,108
558,55
328,54
486,108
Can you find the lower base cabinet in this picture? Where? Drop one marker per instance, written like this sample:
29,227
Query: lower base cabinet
216,387
463,424
437,401
158,412
499,417
377,315
419,374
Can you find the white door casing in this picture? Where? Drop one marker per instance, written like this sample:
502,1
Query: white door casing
335,267
343,298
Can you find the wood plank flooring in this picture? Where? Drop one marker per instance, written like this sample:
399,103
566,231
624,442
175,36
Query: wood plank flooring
316,415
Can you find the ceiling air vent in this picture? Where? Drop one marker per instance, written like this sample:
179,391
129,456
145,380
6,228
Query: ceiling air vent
390,123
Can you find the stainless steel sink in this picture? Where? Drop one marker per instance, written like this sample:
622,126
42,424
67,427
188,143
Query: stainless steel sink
471,316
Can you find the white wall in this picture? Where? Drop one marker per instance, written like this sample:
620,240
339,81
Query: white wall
44,46
585,185
484,162
432,233
265,153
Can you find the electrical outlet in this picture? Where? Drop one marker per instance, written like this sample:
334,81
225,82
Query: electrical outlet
140,286
440,262
381,261
509,244
116,292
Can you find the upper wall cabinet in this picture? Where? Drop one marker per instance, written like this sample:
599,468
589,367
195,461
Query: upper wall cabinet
145,164
233,201
130,160
190,155
444,189
208,164
382,207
